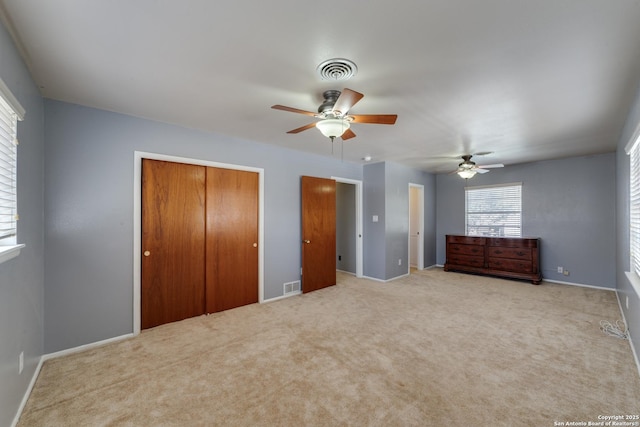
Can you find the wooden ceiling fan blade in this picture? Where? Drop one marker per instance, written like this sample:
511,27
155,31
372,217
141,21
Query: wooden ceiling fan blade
348,134
347,99
379,119
302,128
293,110
496,165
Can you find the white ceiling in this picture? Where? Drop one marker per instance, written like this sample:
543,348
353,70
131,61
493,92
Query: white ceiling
526,80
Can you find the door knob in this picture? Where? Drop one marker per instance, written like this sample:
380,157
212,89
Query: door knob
255,245
307,241
147,253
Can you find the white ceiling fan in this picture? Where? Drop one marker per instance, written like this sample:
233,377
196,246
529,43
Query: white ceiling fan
468,169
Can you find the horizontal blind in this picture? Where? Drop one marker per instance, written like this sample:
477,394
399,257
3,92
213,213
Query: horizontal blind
8,154
634,202
494,211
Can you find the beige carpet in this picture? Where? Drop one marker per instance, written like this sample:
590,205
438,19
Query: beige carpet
432,349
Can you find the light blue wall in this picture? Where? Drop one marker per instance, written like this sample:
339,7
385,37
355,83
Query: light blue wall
625,290
22,278
89,212
373,239
387,196
568,203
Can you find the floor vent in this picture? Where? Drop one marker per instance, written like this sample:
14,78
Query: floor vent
291,287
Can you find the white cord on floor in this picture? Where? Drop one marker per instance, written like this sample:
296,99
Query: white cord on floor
619,330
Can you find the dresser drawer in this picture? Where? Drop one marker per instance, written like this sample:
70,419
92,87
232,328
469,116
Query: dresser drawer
466,260
467,240
505,264
513,242
456,248
513,253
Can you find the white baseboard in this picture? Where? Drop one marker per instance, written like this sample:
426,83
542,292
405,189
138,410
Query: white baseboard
375,279
624,319
50,356
559,282
27,393
86,347
290,294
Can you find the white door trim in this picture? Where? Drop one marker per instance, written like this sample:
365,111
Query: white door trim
137,221
359,210
420,257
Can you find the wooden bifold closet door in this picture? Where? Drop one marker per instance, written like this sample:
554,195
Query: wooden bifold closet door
199,240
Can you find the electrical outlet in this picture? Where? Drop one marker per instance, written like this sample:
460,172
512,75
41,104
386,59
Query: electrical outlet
21,362
400,261
565,272
627,301
560,269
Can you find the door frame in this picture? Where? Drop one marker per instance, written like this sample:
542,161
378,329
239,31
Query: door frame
137,221
359,211
420,257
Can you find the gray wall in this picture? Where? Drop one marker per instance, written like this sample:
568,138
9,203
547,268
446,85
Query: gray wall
89,212
625,290
346,227
22,278
568,203
386,195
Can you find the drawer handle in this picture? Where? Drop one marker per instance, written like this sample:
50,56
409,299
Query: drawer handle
520,253
498,252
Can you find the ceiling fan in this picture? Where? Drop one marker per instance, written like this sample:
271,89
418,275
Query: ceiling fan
333,114
467,169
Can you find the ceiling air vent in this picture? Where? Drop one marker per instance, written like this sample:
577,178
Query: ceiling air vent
337,69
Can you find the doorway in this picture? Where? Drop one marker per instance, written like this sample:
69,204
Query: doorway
355,236
416,226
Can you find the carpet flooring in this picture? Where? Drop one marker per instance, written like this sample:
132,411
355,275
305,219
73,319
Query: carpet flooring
431,349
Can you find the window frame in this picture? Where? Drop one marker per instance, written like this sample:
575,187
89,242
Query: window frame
632,149
502,225
9,248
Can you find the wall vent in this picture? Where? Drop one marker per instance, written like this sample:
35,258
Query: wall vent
292,287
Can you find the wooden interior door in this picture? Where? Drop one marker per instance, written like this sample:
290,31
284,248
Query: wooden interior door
173,242
318,233
232,239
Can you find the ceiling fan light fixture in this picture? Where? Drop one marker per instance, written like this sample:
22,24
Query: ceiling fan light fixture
466,173
332,128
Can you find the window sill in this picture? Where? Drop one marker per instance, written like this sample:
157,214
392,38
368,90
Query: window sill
9,252
634,280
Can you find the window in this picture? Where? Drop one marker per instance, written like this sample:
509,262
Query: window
494,210
634,202
8,157
10,112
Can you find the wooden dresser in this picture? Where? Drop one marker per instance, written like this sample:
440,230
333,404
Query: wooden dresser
516,258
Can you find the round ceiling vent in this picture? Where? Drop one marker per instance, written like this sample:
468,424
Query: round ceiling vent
337,69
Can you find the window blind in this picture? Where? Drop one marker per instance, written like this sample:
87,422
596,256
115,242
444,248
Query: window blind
8,160
494,211
634,205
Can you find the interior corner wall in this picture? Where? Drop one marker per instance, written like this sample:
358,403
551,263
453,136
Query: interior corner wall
387,197
374,238
568,203
22,278
89,186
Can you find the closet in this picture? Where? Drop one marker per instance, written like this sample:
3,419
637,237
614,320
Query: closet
199,240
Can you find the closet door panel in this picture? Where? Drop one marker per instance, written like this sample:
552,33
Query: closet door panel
173,242
231,238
